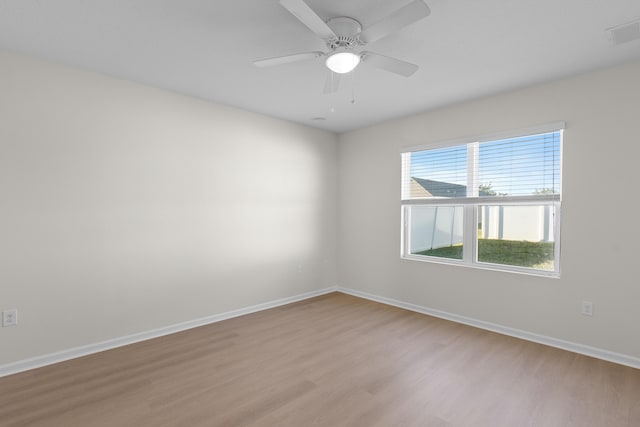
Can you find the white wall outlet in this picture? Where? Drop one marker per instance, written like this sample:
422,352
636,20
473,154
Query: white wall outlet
587,308
9,317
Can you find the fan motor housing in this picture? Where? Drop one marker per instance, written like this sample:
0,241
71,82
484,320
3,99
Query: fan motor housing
347,30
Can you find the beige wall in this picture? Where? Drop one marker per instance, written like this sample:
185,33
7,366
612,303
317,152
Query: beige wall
599,225
124,208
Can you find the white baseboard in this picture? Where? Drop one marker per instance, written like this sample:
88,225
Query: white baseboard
586,350
49,359
61,356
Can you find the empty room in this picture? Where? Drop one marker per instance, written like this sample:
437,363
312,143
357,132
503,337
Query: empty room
319,213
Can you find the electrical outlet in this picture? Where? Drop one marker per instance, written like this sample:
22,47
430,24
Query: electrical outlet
9,317
587,308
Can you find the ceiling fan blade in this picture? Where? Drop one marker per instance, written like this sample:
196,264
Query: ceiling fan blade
413,12
390,64
308,17
332,82
270,62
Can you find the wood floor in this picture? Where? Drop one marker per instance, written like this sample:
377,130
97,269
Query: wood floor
334,360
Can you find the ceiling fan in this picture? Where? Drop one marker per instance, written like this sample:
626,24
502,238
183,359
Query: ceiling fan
345,39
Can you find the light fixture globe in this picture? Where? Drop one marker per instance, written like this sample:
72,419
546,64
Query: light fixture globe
342,62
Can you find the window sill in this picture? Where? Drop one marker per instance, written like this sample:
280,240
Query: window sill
483,266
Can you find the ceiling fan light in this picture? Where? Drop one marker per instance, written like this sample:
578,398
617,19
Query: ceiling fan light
342,62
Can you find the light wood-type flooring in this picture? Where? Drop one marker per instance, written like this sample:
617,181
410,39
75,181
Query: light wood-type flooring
334,360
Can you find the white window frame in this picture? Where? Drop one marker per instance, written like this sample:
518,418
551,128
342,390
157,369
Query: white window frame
471,205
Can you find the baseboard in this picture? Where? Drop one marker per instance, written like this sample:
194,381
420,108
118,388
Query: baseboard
49,359
586,350
61,356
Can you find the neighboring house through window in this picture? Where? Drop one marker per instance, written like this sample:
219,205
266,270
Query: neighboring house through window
491,202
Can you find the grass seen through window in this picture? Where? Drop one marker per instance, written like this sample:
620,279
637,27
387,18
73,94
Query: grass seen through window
508,252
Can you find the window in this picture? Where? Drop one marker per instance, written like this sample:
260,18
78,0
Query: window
491,202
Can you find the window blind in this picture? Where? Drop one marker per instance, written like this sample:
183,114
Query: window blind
519,167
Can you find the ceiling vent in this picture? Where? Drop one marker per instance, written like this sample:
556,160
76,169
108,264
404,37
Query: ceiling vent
625,33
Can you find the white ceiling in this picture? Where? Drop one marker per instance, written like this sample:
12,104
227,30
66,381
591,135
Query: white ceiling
205,48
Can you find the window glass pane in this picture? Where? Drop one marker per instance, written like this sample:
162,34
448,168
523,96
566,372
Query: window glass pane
438,173
520,235
520,166
436,231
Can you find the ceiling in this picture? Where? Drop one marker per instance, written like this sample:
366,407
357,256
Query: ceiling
205,48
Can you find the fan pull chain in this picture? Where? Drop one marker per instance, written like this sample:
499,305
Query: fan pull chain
333,93
353,88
